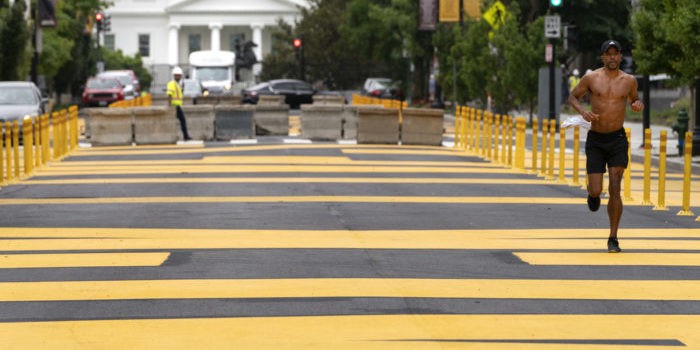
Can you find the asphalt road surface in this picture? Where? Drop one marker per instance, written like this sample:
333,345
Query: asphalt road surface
331,246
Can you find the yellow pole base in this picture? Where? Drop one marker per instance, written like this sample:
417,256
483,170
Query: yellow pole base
646,202
685,213
658,208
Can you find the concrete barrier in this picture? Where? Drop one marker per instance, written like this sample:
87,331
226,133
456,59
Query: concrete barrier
422,126
159,100
155,125
328,100
200,121
234,122
271,100
271,119
230,100
110,126
322,122
350,122
208,100
378,125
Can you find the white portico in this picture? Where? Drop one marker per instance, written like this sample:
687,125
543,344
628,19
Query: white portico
166,31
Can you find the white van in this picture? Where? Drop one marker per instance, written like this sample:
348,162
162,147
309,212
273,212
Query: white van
214,70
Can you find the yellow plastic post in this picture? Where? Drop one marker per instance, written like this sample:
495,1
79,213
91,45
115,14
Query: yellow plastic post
74,133
2,156
628,171
520,147
28,144
504,136
479,140
577,148
661,198
458,128
646,197
545,133
509,146
496,132
562,155
687,167
552,132
37,141
489,136
15,146
45,139
8,150
535,137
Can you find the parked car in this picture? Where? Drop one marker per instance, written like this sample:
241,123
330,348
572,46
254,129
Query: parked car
296,92
100,92
20,98
132,87
382,88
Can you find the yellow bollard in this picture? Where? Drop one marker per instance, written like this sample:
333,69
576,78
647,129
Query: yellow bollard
496,133
37,141
577,135
520,144
562,155
504,134
458,128
646,197
687,168
15,146
8,150
535,138
509,141
46,142
661,198
2,156
477,133
489,136
552,132
28,145
628,171
74,133
545,133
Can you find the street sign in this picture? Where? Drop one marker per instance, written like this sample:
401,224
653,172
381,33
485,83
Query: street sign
495,15
552,26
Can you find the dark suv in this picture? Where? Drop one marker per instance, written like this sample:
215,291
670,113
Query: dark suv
296,92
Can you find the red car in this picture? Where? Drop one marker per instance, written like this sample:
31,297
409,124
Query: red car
100,92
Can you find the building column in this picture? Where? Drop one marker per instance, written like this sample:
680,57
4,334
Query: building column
215,36
173,47
257,39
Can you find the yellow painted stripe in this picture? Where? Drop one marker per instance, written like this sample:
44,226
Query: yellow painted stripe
368,180
378,332
195,169
351,287
295,199
166,239
15,261
626,259
436,152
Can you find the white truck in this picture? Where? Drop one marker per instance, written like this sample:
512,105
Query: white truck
215,70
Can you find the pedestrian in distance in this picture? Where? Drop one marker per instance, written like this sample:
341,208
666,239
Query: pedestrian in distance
609,89
175,99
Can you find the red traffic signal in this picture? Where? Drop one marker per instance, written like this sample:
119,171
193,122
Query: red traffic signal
99,17
297,43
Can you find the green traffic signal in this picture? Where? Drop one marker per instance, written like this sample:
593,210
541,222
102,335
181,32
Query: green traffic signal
555,3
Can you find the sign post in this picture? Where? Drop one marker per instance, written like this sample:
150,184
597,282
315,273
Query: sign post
552,26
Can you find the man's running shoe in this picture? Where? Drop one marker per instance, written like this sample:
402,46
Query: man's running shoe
613,246
593,203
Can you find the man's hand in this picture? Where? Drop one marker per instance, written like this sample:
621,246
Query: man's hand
590,116
637,106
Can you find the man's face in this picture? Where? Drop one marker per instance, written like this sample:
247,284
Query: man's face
611,58
177,77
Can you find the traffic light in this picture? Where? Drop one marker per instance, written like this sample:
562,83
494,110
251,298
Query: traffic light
99,21
107,23
297,43
555,3
570,37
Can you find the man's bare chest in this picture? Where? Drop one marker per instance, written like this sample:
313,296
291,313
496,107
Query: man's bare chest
616,89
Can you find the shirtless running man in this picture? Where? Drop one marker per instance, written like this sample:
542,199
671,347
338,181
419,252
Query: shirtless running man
610,89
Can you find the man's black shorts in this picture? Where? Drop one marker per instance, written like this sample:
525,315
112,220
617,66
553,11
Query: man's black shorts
606,149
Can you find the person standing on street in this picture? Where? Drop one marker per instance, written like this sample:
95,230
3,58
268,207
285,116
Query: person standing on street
606,145
175,100
574,79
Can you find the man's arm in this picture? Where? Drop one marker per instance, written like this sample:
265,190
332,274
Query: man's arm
633,97
575,97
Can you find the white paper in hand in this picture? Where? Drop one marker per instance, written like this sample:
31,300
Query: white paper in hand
576,120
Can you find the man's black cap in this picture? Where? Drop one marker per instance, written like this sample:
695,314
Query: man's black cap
607,44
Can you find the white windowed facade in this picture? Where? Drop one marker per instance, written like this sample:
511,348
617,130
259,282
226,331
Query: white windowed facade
168,30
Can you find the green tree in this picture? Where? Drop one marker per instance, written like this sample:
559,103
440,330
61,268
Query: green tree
13,42
281,62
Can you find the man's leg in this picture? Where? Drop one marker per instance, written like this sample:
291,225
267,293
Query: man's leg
595,186
183,123
615,201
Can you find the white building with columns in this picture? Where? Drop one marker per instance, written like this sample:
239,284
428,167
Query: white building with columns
166,31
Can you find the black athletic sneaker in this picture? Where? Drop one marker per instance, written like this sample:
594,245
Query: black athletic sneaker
593,203
613,246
